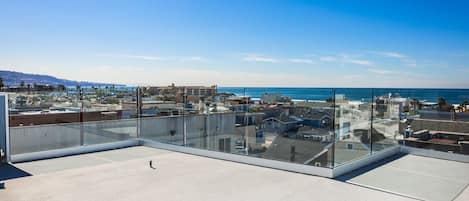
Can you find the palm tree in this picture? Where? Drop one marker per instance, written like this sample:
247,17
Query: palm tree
415,104
459,108
464,105
441,103
1,84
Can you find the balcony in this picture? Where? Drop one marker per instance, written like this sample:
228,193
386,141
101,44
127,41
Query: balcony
369,142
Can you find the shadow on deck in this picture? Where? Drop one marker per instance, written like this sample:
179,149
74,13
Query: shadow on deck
8,171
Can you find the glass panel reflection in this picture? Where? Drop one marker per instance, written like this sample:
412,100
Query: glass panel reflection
353,111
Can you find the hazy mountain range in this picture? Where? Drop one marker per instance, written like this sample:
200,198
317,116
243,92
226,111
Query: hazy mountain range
12,78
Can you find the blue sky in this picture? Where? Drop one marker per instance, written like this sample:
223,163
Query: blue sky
240,43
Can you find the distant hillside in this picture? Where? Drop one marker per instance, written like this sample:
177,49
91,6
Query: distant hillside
12,78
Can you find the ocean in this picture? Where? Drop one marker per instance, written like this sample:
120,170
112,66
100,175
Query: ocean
452,96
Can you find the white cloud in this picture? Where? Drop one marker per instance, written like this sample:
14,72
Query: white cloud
254,58
360,62
409,62
384,72
344,58
406,61
391,55
147,58
328,59
194,58
305,61
156,58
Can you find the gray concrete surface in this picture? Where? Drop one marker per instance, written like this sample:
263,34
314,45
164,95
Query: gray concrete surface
125,175
86,160
463,196
419,177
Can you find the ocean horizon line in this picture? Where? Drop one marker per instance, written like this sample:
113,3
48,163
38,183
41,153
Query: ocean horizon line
307,87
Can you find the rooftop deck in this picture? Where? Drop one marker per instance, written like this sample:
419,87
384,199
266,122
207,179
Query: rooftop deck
415,176
124,174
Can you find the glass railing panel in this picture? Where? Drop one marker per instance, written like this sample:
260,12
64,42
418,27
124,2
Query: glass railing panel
232,120
288,124
353,111
436,119
163,114
28,108
108,114
29,139
69,117
210,121
99,132
42,120
388,104
213,117
165,129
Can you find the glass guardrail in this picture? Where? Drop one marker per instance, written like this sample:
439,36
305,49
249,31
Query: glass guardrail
310,126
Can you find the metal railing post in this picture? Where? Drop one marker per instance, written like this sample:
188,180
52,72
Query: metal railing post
82,135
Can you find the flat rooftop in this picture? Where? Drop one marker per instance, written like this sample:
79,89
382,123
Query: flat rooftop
418,177
124,174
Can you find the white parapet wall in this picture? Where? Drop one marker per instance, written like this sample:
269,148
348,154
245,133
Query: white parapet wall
364,161
73,151
435,154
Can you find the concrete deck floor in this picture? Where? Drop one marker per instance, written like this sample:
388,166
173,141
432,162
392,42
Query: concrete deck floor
124,174
419,177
